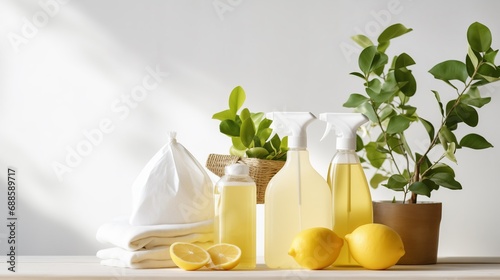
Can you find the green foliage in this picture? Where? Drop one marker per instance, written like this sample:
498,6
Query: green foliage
250,132
389,88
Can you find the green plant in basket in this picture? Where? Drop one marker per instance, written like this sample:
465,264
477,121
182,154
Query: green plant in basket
250,133
389,89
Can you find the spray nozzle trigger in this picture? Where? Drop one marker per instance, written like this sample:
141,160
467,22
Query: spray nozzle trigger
345,126
329,127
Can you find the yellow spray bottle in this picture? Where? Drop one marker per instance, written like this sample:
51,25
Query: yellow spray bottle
352,203
297,197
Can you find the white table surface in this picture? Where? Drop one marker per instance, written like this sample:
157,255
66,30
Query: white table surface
88,267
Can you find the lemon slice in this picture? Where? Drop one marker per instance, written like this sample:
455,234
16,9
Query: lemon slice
224,256
188,256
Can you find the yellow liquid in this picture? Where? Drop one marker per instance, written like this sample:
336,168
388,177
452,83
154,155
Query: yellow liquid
235,219
285,216
352,203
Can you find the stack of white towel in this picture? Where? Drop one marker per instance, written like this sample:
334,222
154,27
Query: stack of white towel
148,246
172,202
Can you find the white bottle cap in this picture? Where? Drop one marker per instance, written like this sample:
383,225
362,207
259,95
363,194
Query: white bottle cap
237,169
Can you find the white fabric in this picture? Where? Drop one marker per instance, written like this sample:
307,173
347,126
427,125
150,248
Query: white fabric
156,257
145,258
121,234
173,188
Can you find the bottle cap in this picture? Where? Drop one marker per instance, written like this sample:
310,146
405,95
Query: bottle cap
237,169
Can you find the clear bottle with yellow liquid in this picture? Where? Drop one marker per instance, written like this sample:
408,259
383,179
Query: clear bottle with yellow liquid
235,205
297,197
351,198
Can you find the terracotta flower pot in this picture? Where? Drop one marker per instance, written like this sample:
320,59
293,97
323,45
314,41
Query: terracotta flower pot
418,226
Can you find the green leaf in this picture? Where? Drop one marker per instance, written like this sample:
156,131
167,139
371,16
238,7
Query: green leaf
450,70
473,98
284,144
452,119
377,179
447,135
420,188
247,132
467,114
357,74
354,100
473,57
396,144
380,97
386,112
446,180
397,124
438,98
366,58
373,155
428,127
230,128
382,47
471,69
366,109
490,56
359,143
264,134
426,163
237,143
450,152
371,59
275,143
265,123
257,152
236,99
396,182
479,37
406,81
404,60
475,141
362,40
257,118
392,32
224,115
236,152
245,114
440,168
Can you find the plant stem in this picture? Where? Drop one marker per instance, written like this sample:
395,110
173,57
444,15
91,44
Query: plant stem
416,174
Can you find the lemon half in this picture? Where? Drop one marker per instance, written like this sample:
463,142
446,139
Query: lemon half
224,256
188,256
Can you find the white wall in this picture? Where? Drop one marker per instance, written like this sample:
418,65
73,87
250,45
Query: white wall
71,73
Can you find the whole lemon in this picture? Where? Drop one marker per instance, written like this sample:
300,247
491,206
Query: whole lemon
316,248
375,246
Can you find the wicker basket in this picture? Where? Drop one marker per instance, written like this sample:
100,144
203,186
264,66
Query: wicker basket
261,170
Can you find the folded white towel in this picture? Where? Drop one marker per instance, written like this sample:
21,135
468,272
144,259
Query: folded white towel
122,234
153,258
156,257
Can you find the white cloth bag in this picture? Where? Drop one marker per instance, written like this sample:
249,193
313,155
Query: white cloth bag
173,188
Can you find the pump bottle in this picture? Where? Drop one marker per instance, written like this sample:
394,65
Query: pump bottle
297,197
352,203
234,221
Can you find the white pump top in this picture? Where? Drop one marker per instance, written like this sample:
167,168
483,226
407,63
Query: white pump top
345,126
294,125
236,169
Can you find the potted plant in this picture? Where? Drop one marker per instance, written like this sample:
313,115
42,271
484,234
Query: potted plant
252,142
389,88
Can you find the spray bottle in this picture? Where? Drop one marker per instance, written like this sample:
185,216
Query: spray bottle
297,197
352,203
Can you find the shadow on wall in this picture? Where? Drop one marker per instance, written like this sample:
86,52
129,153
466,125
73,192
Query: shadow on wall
38,234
